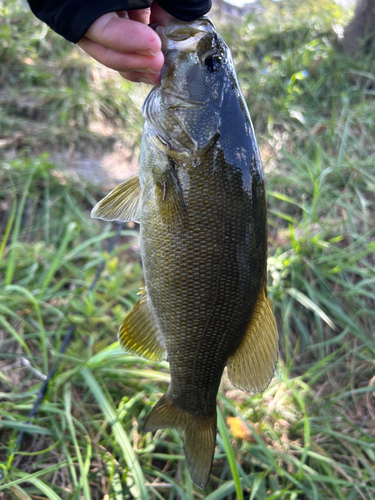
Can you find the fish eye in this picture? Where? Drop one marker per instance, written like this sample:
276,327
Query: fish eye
213,63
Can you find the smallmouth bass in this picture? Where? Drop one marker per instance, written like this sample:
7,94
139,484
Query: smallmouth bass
200,202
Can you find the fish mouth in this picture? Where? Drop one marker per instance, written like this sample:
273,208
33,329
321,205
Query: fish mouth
180,35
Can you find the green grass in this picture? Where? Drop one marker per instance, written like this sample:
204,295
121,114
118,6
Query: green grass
310,435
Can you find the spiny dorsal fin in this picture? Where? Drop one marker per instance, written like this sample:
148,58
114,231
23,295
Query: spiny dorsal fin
139,334
122,204
199,436
253,364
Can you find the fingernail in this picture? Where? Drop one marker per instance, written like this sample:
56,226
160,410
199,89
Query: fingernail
146,70
148,53
147,80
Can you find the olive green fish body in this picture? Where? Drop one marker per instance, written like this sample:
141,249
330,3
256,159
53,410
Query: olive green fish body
200,201
203,275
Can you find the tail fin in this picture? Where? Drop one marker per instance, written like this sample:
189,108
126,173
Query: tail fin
199,436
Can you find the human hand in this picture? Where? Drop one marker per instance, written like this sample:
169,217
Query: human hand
123,42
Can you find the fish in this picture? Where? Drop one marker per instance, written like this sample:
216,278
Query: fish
200,201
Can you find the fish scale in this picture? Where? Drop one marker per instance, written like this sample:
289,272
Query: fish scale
200,202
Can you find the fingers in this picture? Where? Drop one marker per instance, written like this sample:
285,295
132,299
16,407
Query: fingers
124,35
136,76
140,15
121,61
126,45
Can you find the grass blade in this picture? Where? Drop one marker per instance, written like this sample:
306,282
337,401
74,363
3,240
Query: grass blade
22,427
223,491
309,304
69,232
230,454
44,488
12,257
34,301
83,477
31,477
15,334
8,228
120,435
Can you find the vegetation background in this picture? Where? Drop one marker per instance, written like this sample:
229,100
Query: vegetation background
311,434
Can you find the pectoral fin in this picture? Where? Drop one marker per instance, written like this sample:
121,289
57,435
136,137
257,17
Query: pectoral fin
139,334
170,198
122,204
253,364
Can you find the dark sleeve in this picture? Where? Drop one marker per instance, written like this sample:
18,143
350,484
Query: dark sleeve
186,11
72,18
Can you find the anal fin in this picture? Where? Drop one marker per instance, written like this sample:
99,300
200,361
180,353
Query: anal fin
122,204
139,334
252,366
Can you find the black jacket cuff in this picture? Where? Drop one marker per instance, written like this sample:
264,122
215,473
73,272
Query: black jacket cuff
186,11
72,18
